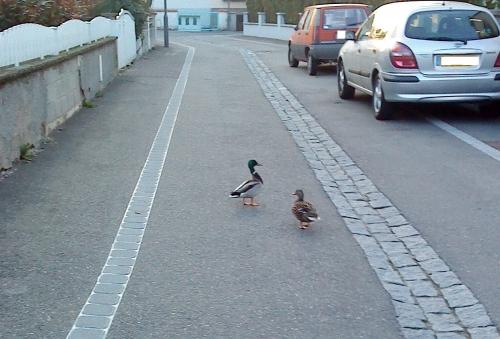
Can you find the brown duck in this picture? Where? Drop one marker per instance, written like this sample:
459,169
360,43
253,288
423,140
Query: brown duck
303,210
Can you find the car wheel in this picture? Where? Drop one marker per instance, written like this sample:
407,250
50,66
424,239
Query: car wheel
383,110
490,110
312,65
345,91
291,59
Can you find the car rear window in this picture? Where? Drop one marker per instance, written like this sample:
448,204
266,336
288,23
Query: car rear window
451,25
343,17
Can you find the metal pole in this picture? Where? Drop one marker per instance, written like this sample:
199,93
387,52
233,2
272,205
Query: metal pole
228,18
165,24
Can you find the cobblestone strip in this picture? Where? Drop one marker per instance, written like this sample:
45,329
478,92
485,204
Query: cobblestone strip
97,314
429,299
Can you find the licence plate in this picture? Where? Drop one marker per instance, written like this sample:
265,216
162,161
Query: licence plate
457,60
340,34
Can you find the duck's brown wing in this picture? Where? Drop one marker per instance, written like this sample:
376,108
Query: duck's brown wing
304,211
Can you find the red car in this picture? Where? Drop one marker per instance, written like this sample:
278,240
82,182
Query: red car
321,32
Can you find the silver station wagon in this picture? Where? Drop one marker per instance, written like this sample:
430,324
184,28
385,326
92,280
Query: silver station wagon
423,51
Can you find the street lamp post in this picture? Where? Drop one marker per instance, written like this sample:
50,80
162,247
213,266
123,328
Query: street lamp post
165,24
228,20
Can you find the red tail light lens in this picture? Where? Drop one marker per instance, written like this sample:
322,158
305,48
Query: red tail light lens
497,63
403,57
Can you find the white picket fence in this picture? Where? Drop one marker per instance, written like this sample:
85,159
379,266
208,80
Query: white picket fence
31,41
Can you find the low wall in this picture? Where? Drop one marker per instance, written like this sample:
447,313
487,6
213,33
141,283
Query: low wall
271,31
39,96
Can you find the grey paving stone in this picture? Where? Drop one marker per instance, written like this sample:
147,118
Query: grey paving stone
353,196
120,261
109,288
408,310
356,227
387,237
484,333
473,316
422,288
380,203
379,228
104,298
117,269
367,189
433,305
123,253
121,245
399,293
459,296
99,310
412,273
393,247
347,213
87,333
418,334
445,279
113,278
389,276
424,253
434,265
443,322
401,260
372,219
450,335
358,203
89,321
365,211
404,231
388,211
396,220
410,322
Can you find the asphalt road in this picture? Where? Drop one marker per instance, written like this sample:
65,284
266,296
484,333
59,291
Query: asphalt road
209,267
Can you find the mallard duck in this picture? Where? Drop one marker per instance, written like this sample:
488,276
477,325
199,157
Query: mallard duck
303,210
249,189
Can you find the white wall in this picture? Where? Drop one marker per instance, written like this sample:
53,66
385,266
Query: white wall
270,31
172,20
175,4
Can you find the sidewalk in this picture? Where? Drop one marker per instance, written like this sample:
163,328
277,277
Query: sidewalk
207,266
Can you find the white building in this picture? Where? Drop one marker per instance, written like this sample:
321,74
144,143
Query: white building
198,15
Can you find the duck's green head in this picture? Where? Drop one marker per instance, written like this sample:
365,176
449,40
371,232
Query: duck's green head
251,165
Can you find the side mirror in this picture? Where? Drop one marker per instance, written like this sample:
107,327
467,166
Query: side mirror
296,28
350,35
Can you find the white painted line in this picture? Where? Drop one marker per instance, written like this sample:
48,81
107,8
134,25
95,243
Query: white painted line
97,314
476,143
276,44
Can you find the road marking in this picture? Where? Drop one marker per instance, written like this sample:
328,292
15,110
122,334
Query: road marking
97,314
476,143
276,44
408,268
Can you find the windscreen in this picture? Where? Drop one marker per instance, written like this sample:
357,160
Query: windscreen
451,25
340,18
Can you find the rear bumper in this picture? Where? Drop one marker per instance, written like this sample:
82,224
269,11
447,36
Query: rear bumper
420,88
326,51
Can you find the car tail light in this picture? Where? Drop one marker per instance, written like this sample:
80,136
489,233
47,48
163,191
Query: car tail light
403,57
497,63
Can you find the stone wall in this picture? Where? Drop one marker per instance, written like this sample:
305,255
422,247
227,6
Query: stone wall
38,96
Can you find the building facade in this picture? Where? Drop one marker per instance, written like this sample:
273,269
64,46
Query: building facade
201,15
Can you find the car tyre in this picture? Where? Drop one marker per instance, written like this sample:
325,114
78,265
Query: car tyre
345,91
291,59
490,110
312,65
383,110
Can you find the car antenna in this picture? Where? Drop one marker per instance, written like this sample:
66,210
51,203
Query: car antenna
443,3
